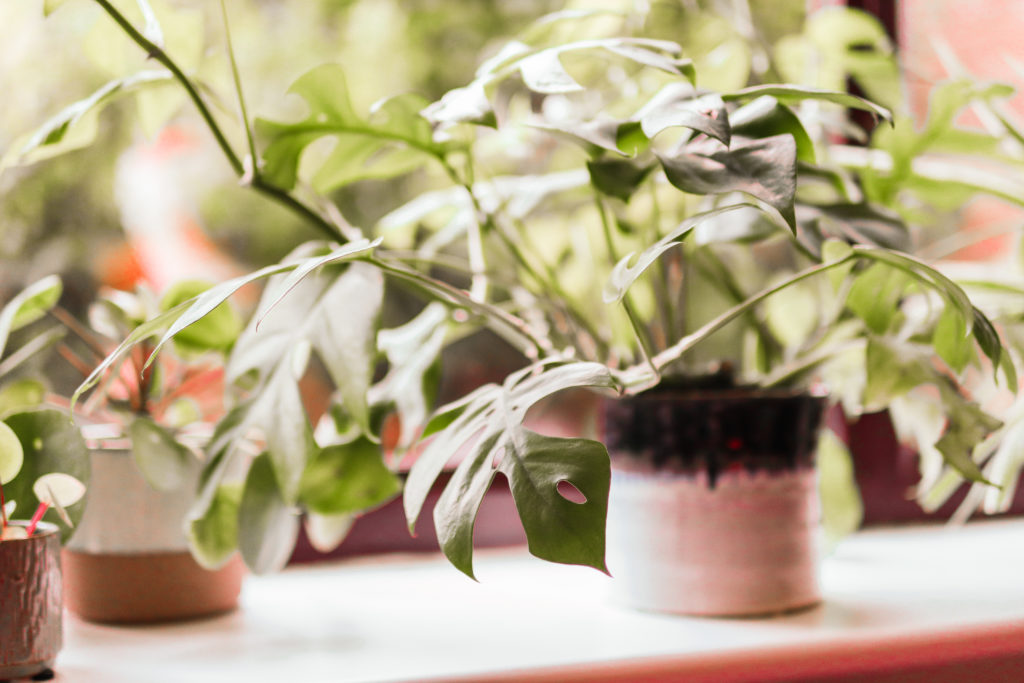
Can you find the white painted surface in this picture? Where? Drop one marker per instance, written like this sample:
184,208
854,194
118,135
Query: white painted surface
415,617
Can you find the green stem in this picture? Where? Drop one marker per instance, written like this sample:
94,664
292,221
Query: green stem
674,352
238,88
474,237
513,328
275,193
642,337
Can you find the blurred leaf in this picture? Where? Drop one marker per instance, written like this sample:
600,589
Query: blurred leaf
54,136
326,532
11,454
51,6
348,478
967,426
267,525
597,135
213,537
951,341
841,508
413,353
58,489
162,461
876,294
617,177
765,117
764,169
462,105
171,322
51,443
364,148
28,305
216,331
20,395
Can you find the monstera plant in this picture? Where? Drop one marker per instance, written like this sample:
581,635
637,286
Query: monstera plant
588,200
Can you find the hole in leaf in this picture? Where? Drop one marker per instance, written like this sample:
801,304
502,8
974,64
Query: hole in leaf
569,491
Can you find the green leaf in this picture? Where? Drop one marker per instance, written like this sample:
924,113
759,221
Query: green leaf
841,508
765,117
267,525
951,341
162,461
798,93
348,478
617,177
21,395
560,530
51,443
335,312
75,126
28,305
484,427
360,144
11,454
966,428
413,353
680,104
875,296
600,134
213,537
462,105
326,532
217,331
764,169
892,371
169,323
51,6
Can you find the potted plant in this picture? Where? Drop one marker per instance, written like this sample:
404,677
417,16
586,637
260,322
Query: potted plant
729,250
43,467
129,559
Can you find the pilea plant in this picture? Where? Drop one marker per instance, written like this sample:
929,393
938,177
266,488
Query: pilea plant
593,203
42,456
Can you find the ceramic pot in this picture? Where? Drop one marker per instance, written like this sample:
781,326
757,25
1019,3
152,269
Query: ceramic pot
128,560
713,508
30,603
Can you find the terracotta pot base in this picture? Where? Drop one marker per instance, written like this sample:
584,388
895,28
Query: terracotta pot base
147,588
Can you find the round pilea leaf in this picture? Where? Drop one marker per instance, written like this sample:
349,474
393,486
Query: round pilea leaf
58,488
11,454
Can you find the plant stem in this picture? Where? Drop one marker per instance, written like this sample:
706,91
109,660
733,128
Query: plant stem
642,336
673,353
474,236
238,88
275,193
516,330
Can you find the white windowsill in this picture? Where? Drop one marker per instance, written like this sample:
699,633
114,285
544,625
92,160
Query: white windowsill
912,590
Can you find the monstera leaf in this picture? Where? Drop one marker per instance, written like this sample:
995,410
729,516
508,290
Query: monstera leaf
393,140
486,427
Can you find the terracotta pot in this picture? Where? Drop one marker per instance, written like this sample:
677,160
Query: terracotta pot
713,508
128,561
30,603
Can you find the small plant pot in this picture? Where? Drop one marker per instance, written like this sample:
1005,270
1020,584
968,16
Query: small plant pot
713,508
30,603
128,561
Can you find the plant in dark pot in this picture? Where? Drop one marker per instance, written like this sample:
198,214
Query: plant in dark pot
43,469
693,255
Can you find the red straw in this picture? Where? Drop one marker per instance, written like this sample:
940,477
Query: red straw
40,511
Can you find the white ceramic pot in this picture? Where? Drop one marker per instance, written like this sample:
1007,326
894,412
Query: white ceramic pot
725,523
129,562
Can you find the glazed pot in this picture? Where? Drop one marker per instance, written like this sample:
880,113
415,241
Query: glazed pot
128,560
713,507
30,603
